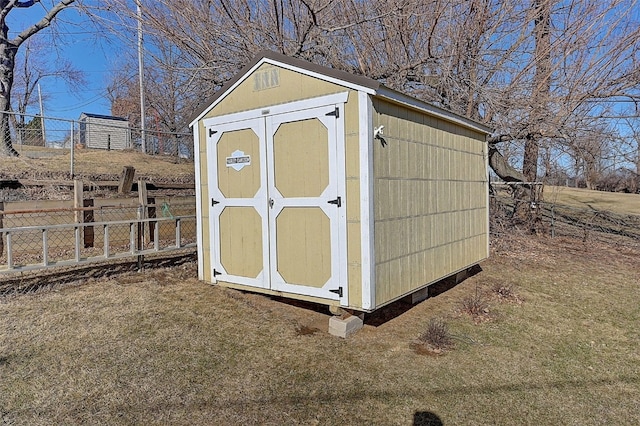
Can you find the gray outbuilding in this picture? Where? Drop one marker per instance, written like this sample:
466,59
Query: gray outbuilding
104,131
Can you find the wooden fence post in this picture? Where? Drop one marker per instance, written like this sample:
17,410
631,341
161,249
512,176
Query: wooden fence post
78,204
88,217
142,214
126,181
78,214
151,214
1,226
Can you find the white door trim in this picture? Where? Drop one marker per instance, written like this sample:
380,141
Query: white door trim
333,99
260,121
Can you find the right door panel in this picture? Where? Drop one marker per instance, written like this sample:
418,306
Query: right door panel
304,203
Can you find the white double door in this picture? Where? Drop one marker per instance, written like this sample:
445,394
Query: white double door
277,211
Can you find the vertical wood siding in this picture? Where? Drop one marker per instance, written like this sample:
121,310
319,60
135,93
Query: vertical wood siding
203,170
430,189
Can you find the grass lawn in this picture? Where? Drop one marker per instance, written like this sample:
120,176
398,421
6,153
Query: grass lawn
163,348
43,163
597,200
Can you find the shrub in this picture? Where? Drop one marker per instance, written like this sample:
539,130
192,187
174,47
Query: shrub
436,337
476,306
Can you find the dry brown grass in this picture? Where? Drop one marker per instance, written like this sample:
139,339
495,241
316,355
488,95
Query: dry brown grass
597,200
163,348
92,163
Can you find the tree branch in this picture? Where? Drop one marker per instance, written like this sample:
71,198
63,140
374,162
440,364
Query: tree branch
500,166
43,23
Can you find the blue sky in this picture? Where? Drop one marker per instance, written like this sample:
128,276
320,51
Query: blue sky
86,48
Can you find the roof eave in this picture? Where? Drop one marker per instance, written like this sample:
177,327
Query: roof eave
339,77
406,100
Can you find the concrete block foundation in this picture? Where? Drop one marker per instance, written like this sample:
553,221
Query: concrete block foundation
417,296
344,327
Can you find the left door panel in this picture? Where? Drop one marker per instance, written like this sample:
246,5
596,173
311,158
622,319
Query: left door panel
236,157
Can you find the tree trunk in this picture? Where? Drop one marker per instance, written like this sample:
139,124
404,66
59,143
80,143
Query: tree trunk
503,169
8,50
7,62
638,166
528,198
526,195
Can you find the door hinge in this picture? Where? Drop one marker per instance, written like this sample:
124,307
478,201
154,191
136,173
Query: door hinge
216,273
337,202
337,291
335,113
214,202
212,132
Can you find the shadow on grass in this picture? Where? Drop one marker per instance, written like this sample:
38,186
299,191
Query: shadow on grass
246,408
303,304
518,387
389,395
390,311
426,418
399,307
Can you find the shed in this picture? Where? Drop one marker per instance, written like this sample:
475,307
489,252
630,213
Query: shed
104,131
320,185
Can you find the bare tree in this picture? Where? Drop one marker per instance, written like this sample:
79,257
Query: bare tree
193,47
8,49
32,67
541,73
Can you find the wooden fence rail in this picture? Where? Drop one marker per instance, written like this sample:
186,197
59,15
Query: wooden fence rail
74,254
41,234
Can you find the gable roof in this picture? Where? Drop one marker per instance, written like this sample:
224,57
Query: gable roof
356,82
104,117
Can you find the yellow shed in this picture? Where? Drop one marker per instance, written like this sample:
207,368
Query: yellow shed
319,185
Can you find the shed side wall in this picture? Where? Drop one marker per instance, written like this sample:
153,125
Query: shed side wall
430,191
271,85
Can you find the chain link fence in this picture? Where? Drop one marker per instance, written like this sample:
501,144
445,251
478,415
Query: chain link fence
559,220
43,239
91,131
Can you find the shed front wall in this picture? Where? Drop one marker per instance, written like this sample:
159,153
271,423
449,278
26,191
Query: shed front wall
106,134
431,205
271,85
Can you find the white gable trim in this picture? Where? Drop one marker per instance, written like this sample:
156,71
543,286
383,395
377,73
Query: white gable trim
319,76
285,66
226,93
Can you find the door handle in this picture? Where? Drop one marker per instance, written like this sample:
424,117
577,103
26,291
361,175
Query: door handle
270,202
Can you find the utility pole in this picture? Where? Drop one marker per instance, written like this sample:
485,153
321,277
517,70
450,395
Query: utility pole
141,79
44,138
